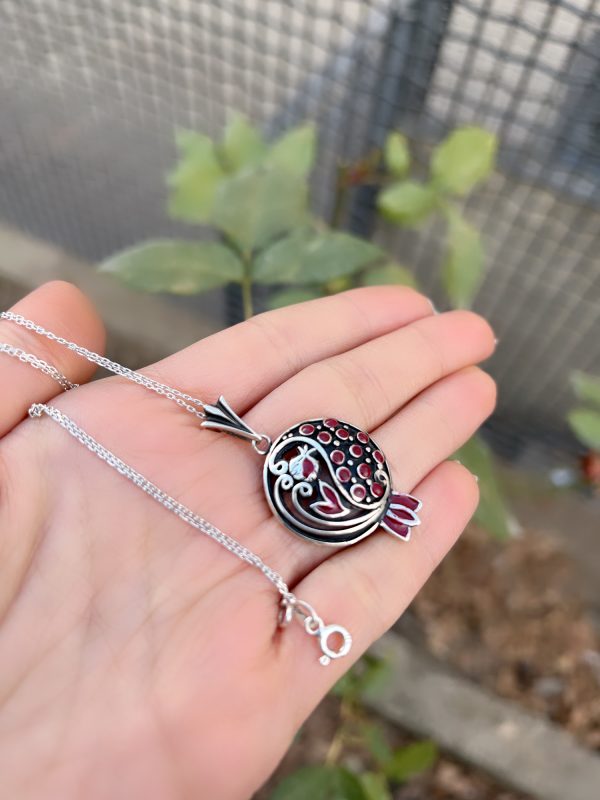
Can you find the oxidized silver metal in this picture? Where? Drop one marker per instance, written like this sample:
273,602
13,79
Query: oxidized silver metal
329,482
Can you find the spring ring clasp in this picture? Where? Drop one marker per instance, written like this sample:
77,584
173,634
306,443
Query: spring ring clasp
314,626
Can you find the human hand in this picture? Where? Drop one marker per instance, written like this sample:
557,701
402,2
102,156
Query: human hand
139,658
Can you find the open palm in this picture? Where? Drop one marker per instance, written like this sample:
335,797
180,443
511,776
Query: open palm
139,658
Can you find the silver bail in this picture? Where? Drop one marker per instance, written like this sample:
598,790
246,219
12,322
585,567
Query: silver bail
221,417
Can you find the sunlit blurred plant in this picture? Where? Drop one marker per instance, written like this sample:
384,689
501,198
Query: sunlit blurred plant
384,766
253,198
585,423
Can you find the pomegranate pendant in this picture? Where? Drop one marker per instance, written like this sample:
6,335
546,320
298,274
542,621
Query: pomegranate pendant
325,479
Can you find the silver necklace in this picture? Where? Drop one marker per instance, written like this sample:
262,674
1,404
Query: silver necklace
291,606
324,479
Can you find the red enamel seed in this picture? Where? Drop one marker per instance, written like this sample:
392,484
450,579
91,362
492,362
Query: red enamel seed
308,467
364,470
356,450
344,474
324,436
330,423
341,433
377,490
378,456
362,437
306,430
358,492
338,457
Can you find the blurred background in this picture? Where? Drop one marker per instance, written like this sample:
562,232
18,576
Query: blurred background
92,92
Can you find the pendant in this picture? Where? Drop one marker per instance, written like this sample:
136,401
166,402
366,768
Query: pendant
325,480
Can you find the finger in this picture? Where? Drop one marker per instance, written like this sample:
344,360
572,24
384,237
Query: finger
248,361
367,587
64,310
366,385
435,424
418,438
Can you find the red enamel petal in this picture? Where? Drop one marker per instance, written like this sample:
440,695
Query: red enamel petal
377,490
403,531
403,515
324,436
331,504
356,450
362,437
342,433
405,500
330,422
307,429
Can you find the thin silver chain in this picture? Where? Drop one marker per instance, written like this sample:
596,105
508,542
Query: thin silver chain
184,513
191,404
37,363
291,605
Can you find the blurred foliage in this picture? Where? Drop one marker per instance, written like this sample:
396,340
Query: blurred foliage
253,196
585,419
385,766
457,166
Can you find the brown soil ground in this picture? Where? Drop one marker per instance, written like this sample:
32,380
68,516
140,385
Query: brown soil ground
508,615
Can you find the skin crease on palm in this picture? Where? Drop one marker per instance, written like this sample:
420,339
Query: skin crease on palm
139,658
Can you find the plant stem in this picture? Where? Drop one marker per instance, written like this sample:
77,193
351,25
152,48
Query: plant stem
246,283
335,748
341,194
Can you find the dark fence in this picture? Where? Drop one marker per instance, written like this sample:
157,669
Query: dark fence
92,90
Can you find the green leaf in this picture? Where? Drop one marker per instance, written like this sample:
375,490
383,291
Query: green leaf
368,675
462,271
307,257
492,513
242,144
586,387
463,159
407,202
411,760
257,205
295,150
376,743
396,154
320,783
585,423
375,786
389,274
168,265
288,297
194,180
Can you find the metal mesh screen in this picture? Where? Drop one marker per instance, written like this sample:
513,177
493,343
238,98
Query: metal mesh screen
92,90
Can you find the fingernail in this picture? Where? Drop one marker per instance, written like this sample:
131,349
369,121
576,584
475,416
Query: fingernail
476,477
496,342
456,461
433,308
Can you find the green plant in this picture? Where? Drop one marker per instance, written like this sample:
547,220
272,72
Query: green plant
384,766
253,196
585,419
